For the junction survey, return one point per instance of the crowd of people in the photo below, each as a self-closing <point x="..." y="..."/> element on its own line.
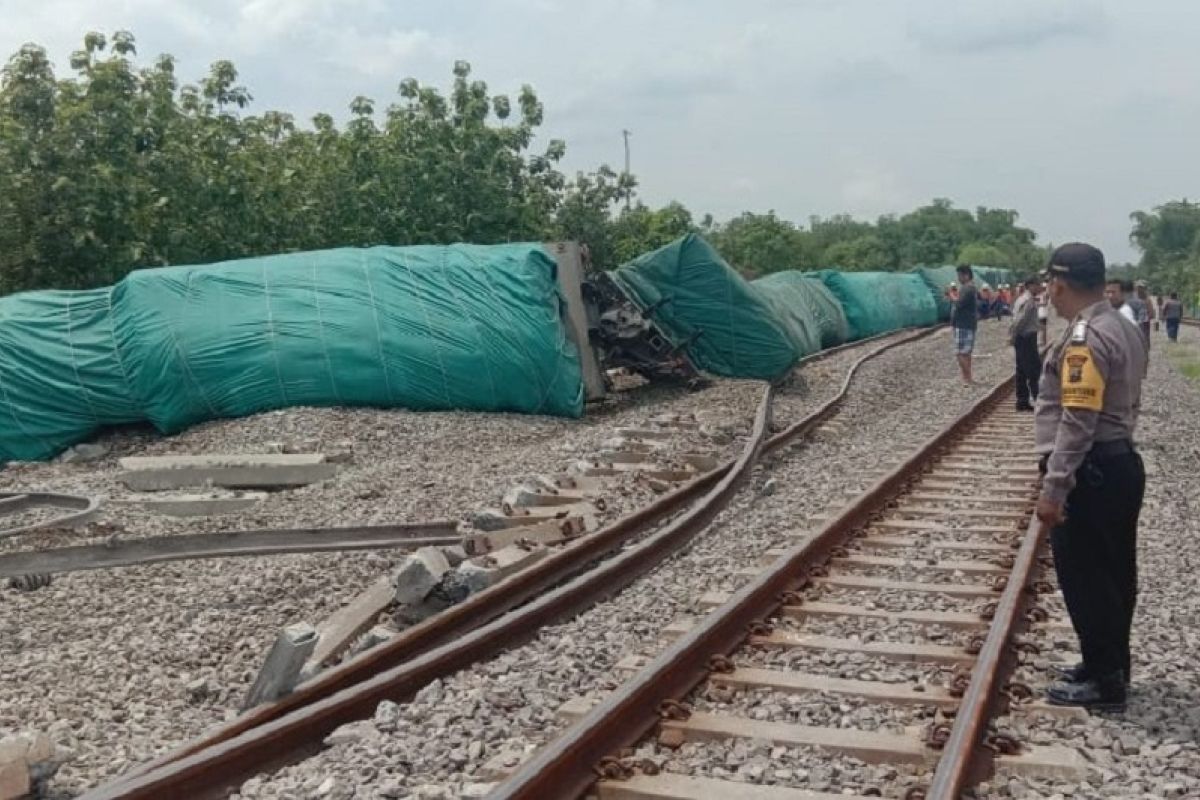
<point x="1029" y="309"/>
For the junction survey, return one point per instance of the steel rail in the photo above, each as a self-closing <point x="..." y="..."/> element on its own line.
<point x="565" y="767"/>
<point x="962" y="751"/>
<point x="159" y="549"/>
<point x="473" y="630"/>
<point x="12" y="503"/>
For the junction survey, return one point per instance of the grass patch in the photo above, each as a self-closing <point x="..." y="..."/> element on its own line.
<point x="1186" y="359"/>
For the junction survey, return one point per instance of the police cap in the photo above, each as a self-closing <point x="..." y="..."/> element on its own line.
<point x="1079" y="263"/>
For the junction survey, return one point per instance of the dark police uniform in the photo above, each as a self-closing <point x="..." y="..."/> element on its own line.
<point x="1086" y="412"/>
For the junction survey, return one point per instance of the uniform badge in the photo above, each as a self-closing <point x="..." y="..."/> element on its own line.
<point x="1084" y="385"/>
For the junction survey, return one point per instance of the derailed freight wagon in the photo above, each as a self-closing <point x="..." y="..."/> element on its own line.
<point x="487" y="328"/>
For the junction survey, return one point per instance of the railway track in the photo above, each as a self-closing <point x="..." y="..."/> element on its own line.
<point x="474" y="630"/>
<point x="904" y="606"/>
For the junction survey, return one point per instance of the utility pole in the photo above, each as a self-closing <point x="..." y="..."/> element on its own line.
<point x="625" y="134"/>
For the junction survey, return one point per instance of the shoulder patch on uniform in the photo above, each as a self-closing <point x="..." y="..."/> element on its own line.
<point x="1079" y="332"/>
<point x="1082" y="383"/>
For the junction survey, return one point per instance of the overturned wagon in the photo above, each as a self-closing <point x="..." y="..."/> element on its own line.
<point x="489" y="328"/>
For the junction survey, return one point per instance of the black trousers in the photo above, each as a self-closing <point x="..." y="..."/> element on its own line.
<point x="1095" y="556"/>
<point x="1029" y="368"/>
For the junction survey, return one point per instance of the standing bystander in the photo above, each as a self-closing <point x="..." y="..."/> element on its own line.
<point x="1114" y="290"/>
<point x="1172" y="312"/>
<point x="1148" y="315"/>
<point x="964" y="320"/>
<point x="1023" y="336"/>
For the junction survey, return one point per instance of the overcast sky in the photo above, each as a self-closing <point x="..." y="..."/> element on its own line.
<point x="1073" y="112"/>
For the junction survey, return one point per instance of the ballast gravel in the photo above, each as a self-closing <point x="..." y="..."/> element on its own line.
<point x="119" y="666"/>
<point x="459" y="736"/>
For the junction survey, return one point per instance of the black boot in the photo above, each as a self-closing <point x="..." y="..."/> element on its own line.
<point x="1099" y="694"/>
<point x="1079" y="674"/>
<point x="1075" y="674"/>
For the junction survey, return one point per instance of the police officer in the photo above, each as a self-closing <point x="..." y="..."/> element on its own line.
<point x="1093" y="478"/>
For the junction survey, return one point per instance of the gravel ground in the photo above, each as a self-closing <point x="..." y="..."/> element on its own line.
<point x="438" y="745"/>
<point x="751" y="761"/>
<point x="1153" y="749"/>
<point x="407" y="466"/>
<point x="120" y="665"/>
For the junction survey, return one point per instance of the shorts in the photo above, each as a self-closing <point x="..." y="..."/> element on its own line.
<point x="964" y="341"/>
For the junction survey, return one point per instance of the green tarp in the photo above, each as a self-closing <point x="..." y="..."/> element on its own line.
<point x="458" y="327"/>
<point x="728" y="326"/>
<point x="61" y="375"/>
<point x="938" y="279"/>
<point x="808" y="305"/>
<point x="993" y="277"/>
<point x="878" y="302"/>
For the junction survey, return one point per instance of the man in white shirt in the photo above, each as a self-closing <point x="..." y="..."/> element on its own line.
<point x="1116" y="297"/>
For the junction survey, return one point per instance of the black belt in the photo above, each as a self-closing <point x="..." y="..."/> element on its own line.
<point x="1116" y="447"/>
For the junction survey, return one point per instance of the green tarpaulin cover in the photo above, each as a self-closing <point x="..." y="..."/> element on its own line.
<point x="994" y="277"/>
<point x="938" y="279"/>
<point x="61" y="375"/>
<point x="808" y="305"/>
<point x="428" y="327"/>
<point x="878" y="302"/>
<point x="740" y="333"/>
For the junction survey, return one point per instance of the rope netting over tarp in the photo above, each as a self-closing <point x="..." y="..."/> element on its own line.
<point x="807" y="303"/>
<point x="879" y="302"/>
<point x="759" y="329"/>
<point x="427" y="327"/>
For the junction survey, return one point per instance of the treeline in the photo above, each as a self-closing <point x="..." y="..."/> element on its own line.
<point x="120" y="165"/>
<point x="1169" y="240"/>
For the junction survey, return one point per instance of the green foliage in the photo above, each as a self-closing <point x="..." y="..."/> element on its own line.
<point x="758" y="244"/>
<point x="980" y="253"/>
<point x="119" y="166"/>
<point x="938" y="233"/>
<point x="1169" y="240"/>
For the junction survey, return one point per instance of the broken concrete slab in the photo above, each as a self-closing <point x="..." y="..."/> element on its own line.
<point x="418" y="574"/>
<point x="549" y="532"/>
<point x="582" y="484"/>
<point x="479" y="573"/>
<point x="372" y="638"/>
<point x="455" y="554"/>
<point x="200" y="505"/>
<point x="497" y="519"/>
<point x="340" y="629"/>
<point x="245" y="471"/>
<point x="531" y="497"/>
<point x="14" y="780"/>
<point x="84" y="453"/>
<point x="282" y="668"/>
<point x="27" y="760"/>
